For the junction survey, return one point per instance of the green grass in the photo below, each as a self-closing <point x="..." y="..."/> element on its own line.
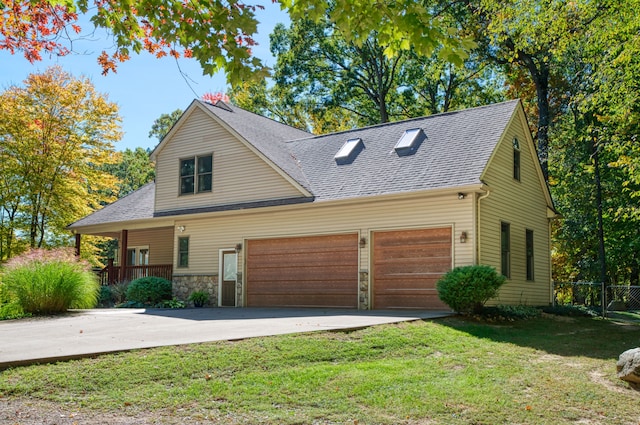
<point x="451" y="371"/>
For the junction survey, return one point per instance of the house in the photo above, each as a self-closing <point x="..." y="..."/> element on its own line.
<point x="258" y="213"/>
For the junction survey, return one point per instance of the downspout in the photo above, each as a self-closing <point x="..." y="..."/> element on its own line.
<point x="479" y="226"/>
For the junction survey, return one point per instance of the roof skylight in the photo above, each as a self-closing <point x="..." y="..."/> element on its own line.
<point x="349" y="151"/>
<point x="409" y="141"/>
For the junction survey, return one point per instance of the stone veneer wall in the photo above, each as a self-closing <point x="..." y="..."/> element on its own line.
<point x="239" y="286"/>
<point x="184" y="285"/>
<point x="363" y="296"/>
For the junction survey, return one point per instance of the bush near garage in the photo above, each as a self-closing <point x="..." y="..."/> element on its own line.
<point x="466" y="289"/>
<point x="149" y="291"/>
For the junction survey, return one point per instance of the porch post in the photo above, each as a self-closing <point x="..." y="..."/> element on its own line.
<point x="78" y="238"/>
<point x="123" y="254"/>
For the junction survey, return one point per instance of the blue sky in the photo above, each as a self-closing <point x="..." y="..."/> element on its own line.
<point x="144" y="87"/>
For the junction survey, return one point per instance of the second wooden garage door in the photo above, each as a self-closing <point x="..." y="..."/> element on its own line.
<point x="406" y="266"/>
<point x="316" y="271"/>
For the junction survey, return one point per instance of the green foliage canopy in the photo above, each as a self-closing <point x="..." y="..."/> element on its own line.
<point x="56" y="135"/>
<point x="219" y="34"/>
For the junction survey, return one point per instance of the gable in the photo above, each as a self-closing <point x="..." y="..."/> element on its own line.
<point x="499" y="170"/>
<point x="239" y="173"/>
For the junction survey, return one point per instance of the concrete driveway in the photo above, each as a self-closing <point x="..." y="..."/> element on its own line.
<point x="86" y="333"/>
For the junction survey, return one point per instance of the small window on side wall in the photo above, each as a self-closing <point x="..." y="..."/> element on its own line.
<point x="516" y="159"/>
<point x="529" y="248"/>
<point x="183" y="252"/>
<point x="505" y="249"/>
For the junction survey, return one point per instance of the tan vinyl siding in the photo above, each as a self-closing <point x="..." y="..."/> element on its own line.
<point x="160" y="250"/>
<point x="521" y="204"/>
<point x="207" y="236"/>
<point x="239" y="175"/>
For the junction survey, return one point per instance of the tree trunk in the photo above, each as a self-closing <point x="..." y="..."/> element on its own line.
<point x="598" y="185"/>
<point x="544" y="120"/>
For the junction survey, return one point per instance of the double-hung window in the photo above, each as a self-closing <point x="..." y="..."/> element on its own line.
<point x="529" y="249"/>
<point x="196" y="174"/>
<point x="505" y="249"/>
<point x="183" y="252"/>
<point x="516" y="159"/>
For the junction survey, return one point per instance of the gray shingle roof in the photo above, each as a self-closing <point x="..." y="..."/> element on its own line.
<point x="266" y="135"/>
<point x="137" y="205"/>
<point x="454" y="153"/>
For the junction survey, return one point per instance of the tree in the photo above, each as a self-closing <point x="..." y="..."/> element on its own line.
<point x="163" y="124"/>
<point x="317" y="63"/>
<point x="594" y="149"/>
<point x="528" y="37"/>
<point x="133" y="169"/>
<point x="218" y="34"/>
<point x="277" y="102"/>
<point x="56" y="133"/>
<point x="321" y="77"/>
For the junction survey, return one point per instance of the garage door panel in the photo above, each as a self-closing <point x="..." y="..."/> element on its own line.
<point x="303" y="271"/>
<point x="328" y="287"/>
<point x="293" y="300"/>
<point x="424" y="301"/>
<point x="405" y="238"/>
<point x="311" y="244"/>
<point x="293" y="259"/>
<point x="293" y="284"/>
<point x="418" y="251"/>
<point x="425" y="282"/>
<point x="314" y="272"/>
<point x="415" y="267"/>
<point x="407" y="266"/>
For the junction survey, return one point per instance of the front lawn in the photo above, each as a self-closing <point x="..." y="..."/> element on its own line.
<point x="551" y="370"/>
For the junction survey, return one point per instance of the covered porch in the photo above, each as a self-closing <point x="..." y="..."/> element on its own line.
<point x="140" y="253"/>
<point x="110" y="275"/>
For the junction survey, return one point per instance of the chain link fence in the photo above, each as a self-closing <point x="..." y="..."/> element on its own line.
<point x="623" y="298"/>
<point x="591" y="295"/>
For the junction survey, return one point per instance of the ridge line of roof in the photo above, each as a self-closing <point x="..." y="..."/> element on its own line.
<point x="230" y="106"/>
<point x="385" y="124"/>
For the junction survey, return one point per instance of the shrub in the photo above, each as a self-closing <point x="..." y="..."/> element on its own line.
<point x="111" y="295"/>
<point x="172" y="303"/>
<point x="45" y="282"/>
<point x="9" y="308"/>
<point x="511" y="312"/>
<point x="570" y="310"/>
<point x="466" y="289"/>
<point x="149" y="290"/>
<point x="12" y="310"/>
<point x="199" y="298"/>
<point x="105" y="299"/>
<point x="130" y="304"/>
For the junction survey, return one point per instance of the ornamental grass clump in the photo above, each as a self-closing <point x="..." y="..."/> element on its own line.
<point x="466" y="289"/>
<point x="50" y="281"/>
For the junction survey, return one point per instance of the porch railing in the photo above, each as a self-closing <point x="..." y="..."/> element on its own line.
<point x="111" y="274"/>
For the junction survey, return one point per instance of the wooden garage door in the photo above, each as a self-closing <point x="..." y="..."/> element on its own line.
<point x="406" y="266"/>
<point x="316" y="271"/>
